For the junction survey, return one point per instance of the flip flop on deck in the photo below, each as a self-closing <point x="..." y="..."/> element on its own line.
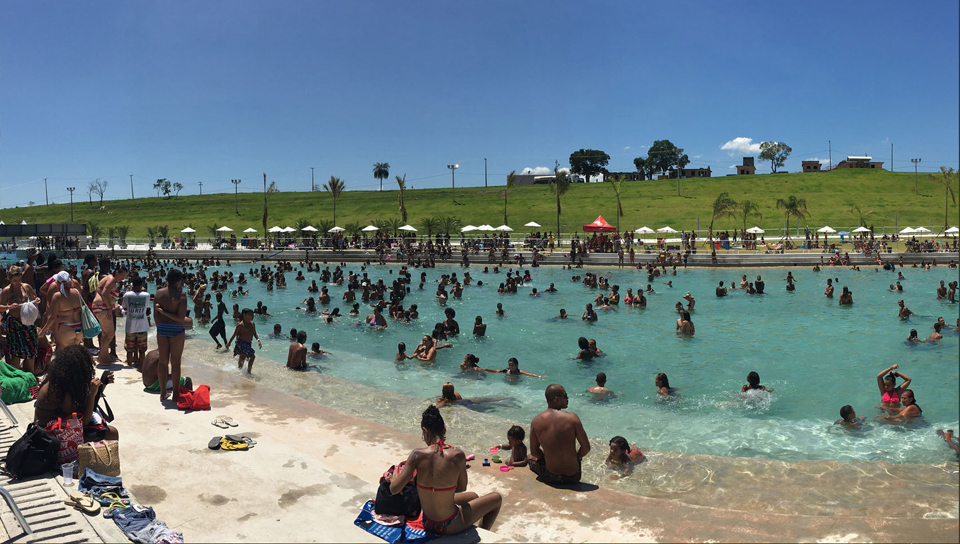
<point x="230" y="445"/>
<point x="214" y="443"/>
<point x="219" y="422"/>
<point x="83" y="502"/>
<point x="251" y="442"/>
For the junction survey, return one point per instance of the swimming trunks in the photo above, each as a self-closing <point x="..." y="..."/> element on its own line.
<point x="887" y="397"/>
<point x="169" y="330"/>
<point x="135" y="341"/>
<point x="243" y="348"/>
<point x="439" y="527"/>
<point x="539" y="467"/>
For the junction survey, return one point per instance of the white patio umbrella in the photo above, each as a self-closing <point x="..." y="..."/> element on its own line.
<point x="22" y="222"/>
<point x="187" y="230"/>
<point x="468" y="228"/>
<point x="370" y="228"/>
<point x="908" y="230"/>
<point x="644" y="230"/>
<point x="308" y="228"/>
<point x="408" y="228"/>
<point x="504" y="228"/>
<point x="249" y="230"/>
<point x="755" y="230"/>
<point x="532" y="224"/>
<point x="667" y="229"/>
<point x="1" y="222"/>
<point x="951" y="230"/>
<point x="275" y="229"/>
<point x="861" y="229"/>
<point x="336" y="229"/>
<point x="486" y="227"/>
<point x="224" y="229"/>
<point x="288" y="229"/>
<point x="921" y="230"/>
<point x="826" y="230"/>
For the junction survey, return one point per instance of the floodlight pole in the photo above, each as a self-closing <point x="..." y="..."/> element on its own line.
<point x="131" y="187"/>
<point x="236" y="197"/>
<point x="916" y="184"/>
<point x="71" y="189"/>
<point x="313" y="186"/>
<point x="453" y="180"/>
<point x="201" y="187"/>
<point x="45" y="192"/>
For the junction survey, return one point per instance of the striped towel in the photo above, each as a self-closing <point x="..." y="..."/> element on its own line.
<point x="409" y="533"/>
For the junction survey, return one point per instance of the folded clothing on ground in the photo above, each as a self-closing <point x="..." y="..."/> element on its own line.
<point x="15" y="384"/>
<point x="133" y="519"/>
<point x="97" y="484"/>
<point x="412" y="531"/>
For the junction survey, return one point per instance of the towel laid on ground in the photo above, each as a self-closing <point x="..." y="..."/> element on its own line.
<point x="412" y="531"/>
<point x="16" y="384"/>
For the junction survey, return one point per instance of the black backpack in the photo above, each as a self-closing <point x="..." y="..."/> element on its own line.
<point x="32" y="454"/>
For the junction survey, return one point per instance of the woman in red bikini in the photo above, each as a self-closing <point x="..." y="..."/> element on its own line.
<point x="441" y="483"/>
<point x="63" y="313"/>
<point x="890" y="391"/>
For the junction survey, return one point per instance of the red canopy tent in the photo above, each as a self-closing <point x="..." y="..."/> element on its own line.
<point x="599" y="225"/>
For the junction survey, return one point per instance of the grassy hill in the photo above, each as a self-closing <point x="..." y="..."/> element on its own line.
<point x="829" y="195"/>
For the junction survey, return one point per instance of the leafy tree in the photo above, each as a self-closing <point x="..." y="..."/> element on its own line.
<point x="162" y="186"/>
<point x="616" y="183"/>
<point x="947" y="178"/>
<point x="393" y="226"/>
<point x="381" y="171"/>
<point x="792" y="207"/>
<point x="212" y="230"/>
<point x="335" y="187"/>
<point x="353" y="229"/>
<point x="723" y="206"/>
<point x="163" y="231"/>
<point x="273" y="188"/>
<point x="177" y="187"/>
<point x="402" y="183"/>
<point x="447" y="224"/>
<point x="747" y="209"/>
<point x="152" y="233"/>
<point x="511" y="181"/>
<point x="99" y="188"/>
<point x="558" y="187"/>
<point x="122" y="232"/>
<point x="429" y="225"/>
<point x="775" y="153"/>
<point x="588" y="162"/>
<point x="95" y="231"/>
<point x="111" y="234"/>
<point x="301" y="224"/>
<point x="860" y="213"/>
<point x="383" y="225"/>
<point x="663" y="155"/>
<point x="646" y="167"/>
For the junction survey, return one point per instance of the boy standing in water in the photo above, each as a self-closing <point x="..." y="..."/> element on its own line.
<point x="245" y="332"/>
<point x="297" y="354"/>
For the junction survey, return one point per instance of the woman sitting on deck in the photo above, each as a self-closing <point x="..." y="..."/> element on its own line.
<point x="442" y="482"/>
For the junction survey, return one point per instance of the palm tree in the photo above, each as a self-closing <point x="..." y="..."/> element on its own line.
<point x="393" y="226"/>
<point x="152" y="233"/>
<point x="447" y="224"/>
<point x="616" y="182"/>
<point x="111" y="234"/>
<point x="429" y="224"/>
<point x="792" y="207"/>
<point x="122" y="232"/>
<point x="335" y="186"/>
<point x="861" y="214"/>
<point x="381" y="171"/>
<point x="323" y="225"/>
<point x="95" y="230"/>
<point x="749" y="208"/>
<point x="559" y="186"/>
<point x="301" y="224"/>
<point x="163" y="231"/>
<point x="212" y="230"/>
<point x="354" y="229"/>
<point x="723" y="206"/>
<point x="947" y="178"/>
<point x="511" y="181"/>
<point x="402" y="183"/>
<point x="383" y="225"/>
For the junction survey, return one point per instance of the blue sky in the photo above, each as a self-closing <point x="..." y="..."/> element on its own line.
<point x="210" y="91"/>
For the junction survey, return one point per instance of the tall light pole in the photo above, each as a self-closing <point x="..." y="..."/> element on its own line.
<point x="236" y="183"/>
<point x="71" y="189"/>
<point x="201" y="187"/>
<point x="45" y="192"/>
<point x="484" y="171"/>
<point x="313" y="186"/>
<point x="131" y="187"/>
<point x="916" y="185"/>
<point x="453" y="178"/>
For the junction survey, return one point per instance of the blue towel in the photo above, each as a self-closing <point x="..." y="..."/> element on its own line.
<point x="390" y="534"/>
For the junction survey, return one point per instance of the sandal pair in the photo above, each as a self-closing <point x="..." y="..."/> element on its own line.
<point x="83" y="502"/>
<point x="229" y="443"/>
<point x="224" y="422"/>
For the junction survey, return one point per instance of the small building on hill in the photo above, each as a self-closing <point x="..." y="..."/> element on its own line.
<point x="747" y="168"/>
<point x="860" y="162"/>
<point x="687" y="173"/>
<point x="809" y="166"/>
<point x="627" y="176"/>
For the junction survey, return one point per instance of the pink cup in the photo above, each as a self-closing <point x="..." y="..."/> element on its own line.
<point x="494" y="450"/>
<point x="505" y="468"/>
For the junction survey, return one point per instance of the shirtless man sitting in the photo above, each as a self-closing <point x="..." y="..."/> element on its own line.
<point x="554" y="435"/>
<point x="297" y="354"/>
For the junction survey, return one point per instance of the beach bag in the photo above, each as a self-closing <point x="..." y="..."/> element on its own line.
<point x="70" y="439"/>
<point x="198" y="399"/>
<point x="91" y="327"/>
<point x="32" y="454"/>
<point x="406" y="503"/>
<point x="100" y="457"/>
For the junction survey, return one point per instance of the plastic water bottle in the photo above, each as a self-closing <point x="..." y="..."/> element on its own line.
<point x="74" y="421"/>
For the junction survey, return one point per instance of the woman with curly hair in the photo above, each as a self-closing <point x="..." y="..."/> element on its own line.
<point x="71" y="386"/>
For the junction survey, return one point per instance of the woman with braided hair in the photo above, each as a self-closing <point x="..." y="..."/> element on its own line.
<point x="442" y="482"/>
<point x="71" y="386"/>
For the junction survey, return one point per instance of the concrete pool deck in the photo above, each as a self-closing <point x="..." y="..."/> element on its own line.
<point x="313" y="468"/>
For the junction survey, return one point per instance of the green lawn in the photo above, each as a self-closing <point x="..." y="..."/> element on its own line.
<point x="890" y="196"/>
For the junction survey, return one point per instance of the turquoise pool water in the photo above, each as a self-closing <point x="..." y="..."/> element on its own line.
<point x="816" y="355"/>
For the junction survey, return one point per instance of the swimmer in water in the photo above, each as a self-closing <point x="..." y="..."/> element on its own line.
<point x="914" y="338"/>
<point x="663" y="386"/>
<point x="935" y="335"/>
<point x="563" y="314"/>
<point x="600" y="391"/>
<point x="904" y="313"/>
<point x="753" y="384"/>
<point x="890" y="391"/>
<point x="401" y="355"/>
<point x="584" y="354"/>
<point x="500" y="311"/>
<point x="910" y="408"/>
<point x="448" y="395"/>
<point x="589" y="314"/>
<point x="479" y="328"/>
<point x="513" y="369"/>
<point x="848" y="418"/>
<point x="623" y="457"/>
<point x="316" y="352"/>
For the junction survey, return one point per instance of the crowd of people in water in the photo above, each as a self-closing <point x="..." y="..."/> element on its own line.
<point x="43" y="299"/>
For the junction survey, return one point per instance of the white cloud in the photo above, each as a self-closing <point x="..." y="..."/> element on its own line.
<point x="696" y="156"/>
<point x="564" y="169"/>
<point x="822" y="161"/>
<point x="741" y="145"/>
<point x="885" y="141"/>
<point x="538" y="171"/>
<point x="732" y="166"/>
<point x="626" y="148"/>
